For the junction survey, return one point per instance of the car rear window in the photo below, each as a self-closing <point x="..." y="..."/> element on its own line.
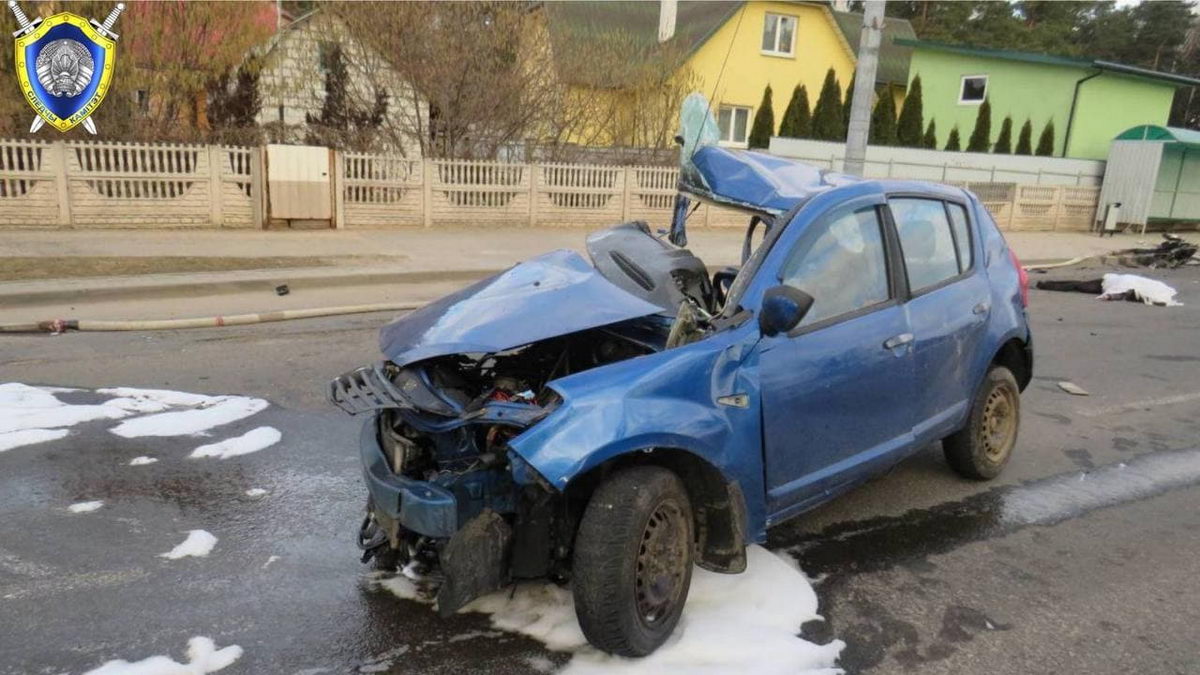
<point x="930" y="256"/>
<point x="962" y="234"/>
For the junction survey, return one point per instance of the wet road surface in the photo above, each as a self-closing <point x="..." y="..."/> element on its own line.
<point x="1083" y="557"/>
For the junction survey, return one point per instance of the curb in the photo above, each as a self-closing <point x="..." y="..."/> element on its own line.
<point x="266" y="282"/>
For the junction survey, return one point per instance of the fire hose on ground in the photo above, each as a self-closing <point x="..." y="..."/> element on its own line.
<point x="55" y="326"/>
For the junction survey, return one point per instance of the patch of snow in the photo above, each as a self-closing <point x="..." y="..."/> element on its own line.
<point x="198" y="543"/>
<point x="27" y="408"/>
<point x="540" y="664"/>
<point x="383" y="662"/>
<point x="142" y="461"/>
<point x="203" y="657"/>
<point x="251" y="441"/>
<point x="473" y="634"/>
<point x="15" y="439"/>
<point x="744" y="622"/>
<point x="270" y="560"/>
<point x="255" y="492"/>
<point x="85" y="507"/>
<point x="214" y="411"/>
<point x="1149" y="291"/>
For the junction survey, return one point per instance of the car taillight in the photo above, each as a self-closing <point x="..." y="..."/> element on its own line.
<point x="1022" y="276"/>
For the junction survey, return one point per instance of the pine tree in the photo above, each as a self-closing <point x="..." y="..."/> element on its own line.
<point x="797" y="119"/>
<point x="1003" y="144"/>
<point x="764" y="122"/>
<point x="1045" y="146"/>
<point x="930" y="140"/>
<point x="341" y="124"/>
<point x="952" y="143"/>
<point x="1025" y="139"/>
<point x="847" y="106"/>
<point x="981" y="136"/>
<point x="883" y="119"/>
<point x="912" y="117"/>
<point x="827" y="116"/>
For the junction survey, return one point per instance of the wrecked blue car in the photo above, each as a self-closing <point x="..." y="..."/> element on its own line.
<point x="611" y="423"/>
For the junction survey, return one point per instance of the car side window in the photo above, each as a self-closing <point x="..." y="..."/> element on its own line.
<point x="930" y="255"/>
<point x="841" y="264"/>
<point x="962" y="234"/>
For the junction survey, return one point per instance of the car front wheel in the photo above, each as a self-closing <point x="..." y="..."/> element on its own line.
<point x="632" y="563"/>
<point x="982" y="448"/>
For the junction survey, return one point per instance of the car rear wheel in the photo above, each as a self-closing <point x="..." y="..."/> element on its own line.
<point x="632" y="562"/>
<point x="982" y="448"/>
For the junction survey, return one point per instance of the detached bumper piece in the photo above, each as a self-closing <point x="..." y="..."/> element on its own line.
<point x="474" y="561"/>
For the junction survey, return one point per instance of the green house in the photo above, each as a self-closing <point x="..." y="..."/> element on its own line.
<point x="1090" y="101"/>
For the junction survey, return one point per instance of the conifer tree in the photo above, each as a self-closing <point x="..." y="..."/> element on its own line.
<point x="764" y="122"/>
<point x="827" y="116"/>
<point x="912" y="117"/>
<point x="952" y="143"/>
<point x="1045" y="146"/>
<point x="930" y="140"/>
<point x="846" y="107"/>
<point x="883" y="119"/>
<point x="1025" y="139"/>
<point x="1003" y="144"/>
<point x="797" y="119"/>
<point x="981" y="136"/>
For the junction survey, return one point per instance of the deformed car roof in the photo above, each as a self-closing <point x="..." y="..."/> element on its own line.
<point x="755" y="180"/>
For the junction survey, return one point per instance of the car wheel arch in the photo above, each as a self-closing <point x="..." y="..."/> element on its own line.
<point x="1014" y="355"/>
<point x="718" y="505"/>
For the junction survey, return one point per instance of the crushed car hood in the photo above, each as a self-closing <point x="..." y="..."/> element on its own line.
<point x="553" y="294"/>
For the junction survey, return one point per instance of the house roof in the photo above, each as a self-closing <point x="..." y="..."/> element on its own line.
<point x="697" y="21"/>
<point x="636" y="23"/>
<point x="1050" y="60"/>
<point x="894" y="57"/>
<point x="1154" y="132"/>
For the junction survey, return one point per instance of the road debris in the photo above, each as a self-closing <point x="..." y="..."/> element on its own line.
<point x="1072" y="388"/>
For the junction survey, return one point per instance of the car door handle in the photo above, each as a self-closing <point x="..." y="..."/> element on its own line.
<point x="981" y="308"/>
<point x="898" y="341"/>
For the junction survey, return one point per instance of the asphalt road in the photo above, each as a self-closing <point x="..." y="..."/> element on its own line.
<point x="1083" y="557"/>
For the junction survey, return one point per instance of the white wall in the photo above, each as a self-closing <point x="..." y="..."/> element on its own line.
<point x="938" y="165"/>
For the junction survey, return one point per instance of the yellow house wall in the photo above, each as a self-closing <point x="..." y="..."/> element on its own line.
<point x="819" y="46"/>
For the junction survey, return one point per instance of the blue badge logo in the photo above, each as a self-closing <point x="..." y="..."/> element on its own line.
<point x="65" y="66"/>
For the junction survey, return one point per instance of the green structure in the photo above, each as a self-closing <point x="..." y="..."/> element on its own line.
<point x="1089" y="101"/>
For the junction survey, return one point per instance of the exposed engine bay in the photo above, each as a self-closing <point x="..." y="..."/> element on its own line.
<point x="440" y="428"/>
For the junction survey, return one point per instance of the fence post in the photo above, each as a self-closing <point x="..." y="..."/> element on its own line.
<point x="427" y="192"/>
<point x="890" y="162"/>
<point x="338" y="181"/>
<point x="62" y="185"/>
<point x="534" y="170"/>
<point x="258" y="185"/>
<point x="216" y="216"/>
<point x="993" y="180"/>
<point x="627" y="194"/>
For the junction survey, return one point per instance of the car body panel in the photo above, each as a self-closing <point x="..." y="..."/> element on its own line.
<point x="550" y="295"/>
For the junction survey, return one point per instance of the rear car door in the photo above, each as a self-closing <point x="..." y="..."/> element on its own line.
<point x="948" y="307"/>
<point x="836" y="390"/>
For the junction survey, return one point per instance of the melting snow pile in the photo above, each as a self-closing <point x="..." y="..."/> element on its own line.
<point x="198" y="543"/>
<point x="251" y="441"/>
<point x="84" y="507"/>
<point x="745" y="623"/>
<point x="141" y="461"/>
<point x="203" y="657"/>
<point x="31" y="415"/>
<point x="1149" y="291"/>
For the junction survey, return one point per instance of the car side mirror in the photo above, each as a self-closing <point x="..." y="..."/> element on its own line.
<point x="782" y="309"/>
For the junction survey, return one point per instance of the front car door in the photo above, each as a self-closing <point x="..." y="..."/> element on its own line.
<point x="836" y="390"/>
<point x="948" y="310"/>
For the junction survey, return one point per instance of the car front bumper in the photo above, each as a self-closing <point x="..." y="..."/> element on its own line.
<point x="418" y="506"/>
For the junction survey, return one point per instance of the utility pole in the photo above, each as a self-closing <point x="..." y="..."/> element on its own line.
<point x="864" y="87"/>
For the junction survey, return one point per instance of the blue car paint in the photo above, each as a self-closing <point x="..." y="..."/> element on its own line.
<point x="669" y="399"/>
<point x="553" y="294"/>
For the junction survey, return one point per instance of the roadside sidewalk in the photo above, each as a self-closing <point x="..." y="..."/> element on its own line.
<point x="355" y="265"/>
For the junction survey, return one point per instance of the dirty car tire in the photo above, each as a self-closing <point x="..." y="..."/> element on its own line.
<point x="982" y="448"/>
<point x="632" y="562"/>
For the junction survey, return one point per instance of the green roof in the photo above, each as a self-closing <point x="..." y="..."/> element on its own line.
<point x="1153" y="132"/>
<point x="893" y="56"/>
<point x="1050" y="60"/>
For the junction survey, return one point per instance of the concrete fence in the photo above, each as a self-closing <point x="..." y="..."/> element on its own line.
<point x="95" y="185"/>
<point x="128" y="185"/>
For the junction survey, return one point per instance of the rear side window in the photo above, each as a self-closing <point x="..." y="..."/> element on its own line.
<point x="930" y="256"/>
<point x="842" y="265"/>
<point x="962" y="234"/>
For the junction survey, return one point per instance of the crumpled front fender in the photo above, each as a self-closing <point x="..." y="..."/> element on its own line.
<point x="663" y="400"/>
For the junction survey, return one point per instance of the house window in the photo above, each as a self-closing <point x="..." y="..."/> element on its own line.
<point x="779" y="34"/>
<point x="974" y="89"/>
<point x="734" y="121"/>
